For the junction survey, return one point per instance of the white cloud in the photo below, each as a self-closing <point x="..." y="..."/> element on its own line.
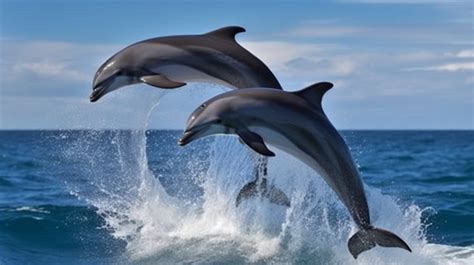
<point x="49" y="67"/>
<point x="453" y="67"/>
<point x="418" y="34"/>
<point x="450" y="67"/>
<point x="277" y="53"/>
<point x="290" y="59"/>
<point x="51" y="50"/>
<point x="363" y="77"/>
<point x="465" y="54"/>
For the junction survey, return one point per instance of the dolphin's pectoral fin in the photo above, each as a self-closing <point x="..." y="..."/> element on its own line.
<point x="161" y="81"/>
<point x="368" y="238"/>
<point x="314" y="93"/>
<point x="255" y="142"/>
<point x="249" y="190"/>
<point x="226" y="32"/>
<point x="277" y="196"/>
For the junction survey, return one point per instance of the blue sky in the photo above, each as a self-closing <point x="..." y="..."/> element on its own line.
<point x="395" y="64"/>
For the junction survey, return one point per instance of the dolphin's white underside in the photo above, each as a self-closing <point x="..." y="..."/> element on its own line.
<point x="281" y="142"/>
<point x="182" y="73"/>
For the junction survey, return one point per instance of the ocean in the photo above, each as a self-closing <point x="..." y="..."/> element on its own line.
<point x="136" y="197"/>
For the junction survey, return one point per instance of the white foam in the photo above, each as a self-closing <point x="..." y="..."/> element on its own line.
<point x="32" y="209"/>
<point x="162" y="229"/>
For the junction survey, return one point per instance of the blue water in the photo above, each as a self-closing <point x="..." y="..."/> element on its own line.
<point x="121" y="197"/>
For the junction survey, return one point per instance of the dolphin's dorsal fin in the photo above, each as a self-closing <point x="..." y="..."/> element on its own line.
<point x="314" y="93"/>
<point x="226" y="32"/>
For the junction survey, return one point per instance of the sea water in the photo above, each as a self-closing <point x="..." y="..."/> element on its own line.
<point x="136" y="197"/>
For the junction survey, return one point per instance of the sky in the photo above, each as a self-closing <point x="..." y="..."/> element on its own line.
<point x="395" y="64"/>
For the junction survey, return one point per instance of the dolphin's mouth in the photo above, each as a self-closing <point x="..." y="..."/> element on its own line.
<point x="187" y="137"/>
<point x="96" y="94"/>
<point x="192" y="134"/>
<point x="100" y="90"/>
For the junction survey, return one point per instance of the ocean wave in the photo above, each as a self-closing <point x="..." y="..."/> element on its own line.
<point x="159" y="228"/>
<point x="187" y="213"/>
<point x="179" y="206"/>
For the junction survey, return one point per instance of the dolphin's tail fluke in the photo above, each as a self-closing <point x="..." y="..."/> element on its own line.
<point x="274" y="194"/>
<point x="368" y="238"/>
<point x="247" y="191"/>
<point x="278" y="197"/>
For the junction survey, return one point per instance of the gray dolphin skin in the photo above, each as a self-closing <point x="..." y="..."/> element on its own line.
<point x="295" y="123"/>
<point x="172" y="61"/>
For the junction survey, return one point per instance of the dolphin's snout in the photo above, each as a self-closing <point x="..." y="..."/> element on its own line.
<point x="186" y="137"/>
<point x="96" y="94"/>
<point x="99" y="89"/>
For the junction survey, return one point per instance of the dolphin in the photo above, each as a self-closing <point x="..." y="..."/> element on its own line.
<point x="172" y="61"/>
<point x="260" y="187"/>
<point x="295" y="123"/>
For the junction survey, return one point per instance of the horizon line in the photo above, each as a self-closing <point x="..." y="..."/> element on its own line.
<point x="171" y="129"/>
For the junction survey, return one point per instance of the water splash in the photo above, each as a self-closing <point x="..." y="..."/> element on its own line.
<point x="207" y="227"/>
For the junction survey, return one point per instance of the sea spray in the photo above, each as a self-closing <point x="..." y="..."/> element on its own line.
<point x="159" y="226"/>
<point x="119" y="183"/>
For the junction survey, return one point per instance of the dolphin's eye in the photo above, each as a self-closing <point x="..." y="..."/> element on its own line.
<point x="203" y="106"/>
<point x="218" y="121"/>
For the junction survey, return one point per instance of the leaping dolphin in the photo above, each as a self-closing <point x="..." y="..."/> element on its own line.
<point x="172" y="61"/>
<point x="296" y="123"/>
